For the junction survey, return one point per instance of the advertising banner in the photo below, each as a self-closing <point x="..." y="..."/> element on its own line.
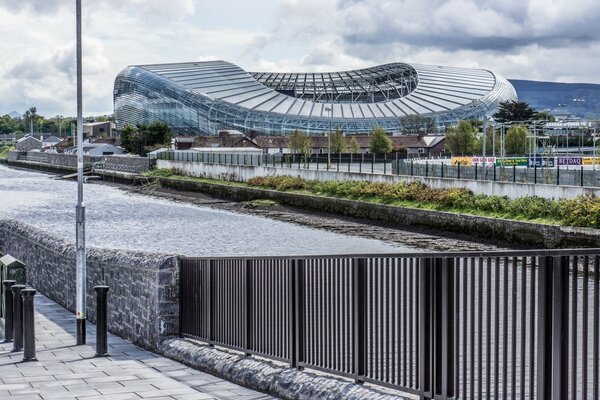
<point x="541" y="162"/>
<point x="464" y="161"/>
<point x="480" y="160"/>
<point x="568" y="161"/>
<point x="510" y="162"/>
<point x="591" y="161"/>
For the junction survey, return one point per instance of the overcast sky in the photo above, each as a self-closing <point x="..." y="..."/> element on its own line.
<point x="553" y="40"/>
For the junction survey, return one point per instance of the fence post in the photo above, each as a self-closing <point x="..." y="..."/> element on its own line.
<point x="557" y="175"/>
<point x="8" y="310"/>
<point x="424" y="316"/>
<point x="475" y="171"/>
<point x="535" y="173"/>
<point x="458" y="170"/>
<point x="210" y="298"/>
<point x="101" y="321"/>
<point x="494" y="173"/>
<point x="443" y="328"/>
<point x="249" y="311"/>
<point x="514" y="173"/>
<point x="359" y="284"/>
<point x="17" y="317"/>
<point x="28" y="324"/>
<point x="582" y="175"/>
<point x="296" y="312"/>
<point x="384" y="163"/>
<point x="411" y="168"/>
<point x="426" y="169"/>
<point x="373" y="163"/>
<point x="553" y="328"/>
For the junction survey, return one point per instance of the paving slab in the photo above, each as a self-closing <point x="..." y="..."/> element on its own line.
<point x="67" y="371"/>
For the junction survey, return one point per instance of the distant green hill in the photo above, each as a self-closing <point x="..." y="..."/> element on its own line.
<point x="579" y="99"/>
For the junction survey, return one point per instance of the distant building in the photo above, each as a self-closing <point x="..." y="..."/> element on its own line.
<point x="50" y="142"/>
<point x="97" y="149"/>
<point x="29" y="143"/>
<point x="98" y="129"/>
<point x="416" y="146"/>
<point x="183" y="142"/>
<point x="8" y="139"/>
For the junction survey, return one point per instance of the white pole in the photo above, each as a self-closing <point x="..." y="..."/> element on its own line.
<point x="80" y="209"/>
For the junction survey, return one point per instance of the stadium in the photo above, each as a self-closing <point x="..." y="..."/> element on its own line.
<point x="207" y="97"/>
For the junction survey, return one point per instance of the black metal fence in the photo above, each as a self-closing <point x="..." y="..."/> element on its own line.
<point x="515" y="325"/>
<point x="558" y="175"/>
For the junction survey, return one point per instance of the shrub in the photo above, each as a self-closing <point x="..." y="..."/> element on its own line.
<point x="582" y="211"/>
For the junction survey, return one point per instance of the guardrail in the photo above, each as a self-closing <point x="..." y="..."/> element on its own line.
<point x="516" y="324"/>
<point x="557" y="175"/>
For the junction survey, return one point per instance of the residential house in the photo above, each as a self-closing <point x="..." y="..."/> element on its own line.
<point x="98" y="129"/>
<point x="50" y="142"/>
<point x="29" y="143"/>
<point x="416" y="146"/>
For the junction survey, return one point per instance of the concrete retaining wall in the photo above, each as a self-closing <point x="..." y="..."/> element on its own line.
<point x="144" y="293"/>
<point x="130" y="164"/>
<point x="518" y="233"/>
<point x="511" y="190"/>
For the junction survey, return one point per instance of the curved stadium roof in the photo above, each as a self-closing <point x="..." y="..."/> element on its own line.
<point x="205" y="97"/>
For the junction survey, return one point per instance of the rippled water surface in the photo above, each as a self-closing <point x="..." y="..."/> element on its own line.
<point x="118" y="219"/>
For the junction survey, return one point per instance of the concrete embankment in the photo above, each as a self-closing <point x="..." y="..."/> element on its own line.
<point x="515" y="232"/>
<point x="519" y="233"/>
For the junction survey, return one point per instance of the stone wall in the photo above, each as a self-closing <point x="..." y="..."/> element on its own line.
<point x="143" y="303"/>
<point x="130" y="164"/>
<point x="242" y="173"/>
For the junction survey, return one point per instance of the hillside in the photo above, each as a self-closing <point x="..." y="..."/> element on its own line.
<point x="579" y="99"/>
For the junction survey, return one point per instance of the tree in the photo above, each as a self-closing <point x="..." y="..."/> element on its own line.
<point x="489" y="142"/>
<point x="380" y="142"/>
<point x="128" y="137"/>
<point x="514" y="111"/>
<point x="544" y="116"/>
<point x="300" y="143"/>
<point x="338" y="142"/>
<point x="461" y="140"/>
<point x="516" y="140"/>
<point x="417" y="124"/>
<point x="31" y="118"/>
<point x="354" y="146"/>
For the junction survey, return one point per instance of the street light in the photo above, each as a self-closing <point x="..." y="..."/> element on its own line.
<point x="330" y="111"/>
<point x="80" y="279"/>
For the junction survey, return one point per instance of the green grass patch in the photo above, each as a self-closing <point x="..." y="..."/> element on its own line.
<point x="583" y="211"/>
<point x="4" y="151"/>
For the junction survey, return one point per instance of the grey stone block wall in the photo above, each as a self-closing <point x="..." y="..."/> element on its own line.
<point x="143" y="302"/>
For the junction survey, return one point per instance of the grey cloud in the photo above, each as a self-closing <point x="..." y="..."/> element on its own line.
<point x="37" y="6"/>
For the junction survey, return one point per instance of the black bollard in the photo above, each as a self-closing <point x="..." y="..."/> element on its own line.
<point x="8" y="311"/>
<point x="101" y="321"/>
<point x="28" y="325"/>
<point x="17" y="317"/>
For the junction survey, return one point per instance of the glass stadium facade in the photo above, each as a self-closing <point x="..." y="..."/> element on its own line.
<point x="206" y="97"/>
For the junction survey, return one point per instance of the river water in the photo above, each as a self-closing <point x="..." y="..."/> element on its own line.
<point x="123" y="220"/>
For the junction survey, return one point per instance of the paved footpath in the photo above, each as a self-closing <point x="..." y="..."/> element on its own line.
<point x="66" y="371"/>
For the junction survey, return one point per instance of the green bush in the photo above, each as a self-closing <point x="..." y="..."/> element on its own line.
<point x="582" y="211"/>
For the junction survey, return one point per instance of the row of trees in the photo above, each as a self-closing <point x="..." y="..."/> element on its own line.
<point x="379" y="142"/>
<point x="464" y="139"/>
<point x="33" y="121"/>
<point x="143" y="139"/>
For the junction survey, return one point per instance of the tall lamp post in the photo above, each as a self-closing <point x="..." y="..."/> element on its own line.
<point x="330" y="111"/>
<point x="80" y="279"/>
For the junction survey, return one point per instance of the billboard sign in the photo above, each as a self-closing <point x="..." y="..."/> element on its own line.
<point x="591" y="161"/>
<point x="568" y="161"/>
<point x="511" y="162"/>
<point x="464" y="161"/>
<point x="481" y="160"/>
<point x="541" y="162"/>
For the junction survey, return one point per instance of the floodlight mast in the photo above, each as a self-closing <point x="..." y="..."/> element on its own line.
<point x="80" y="305"/>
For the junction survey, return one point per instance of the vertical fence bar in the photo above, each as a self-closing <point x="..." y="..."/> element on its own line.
<point x="249" y="312"/>
<point x="560" y="328"/>
<point x="359" y="296"/>
<point x="424" y="323"/>
<point x="292" y="309"/>
<point x="299" y="312"/>
<point x="544" y="342"/>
